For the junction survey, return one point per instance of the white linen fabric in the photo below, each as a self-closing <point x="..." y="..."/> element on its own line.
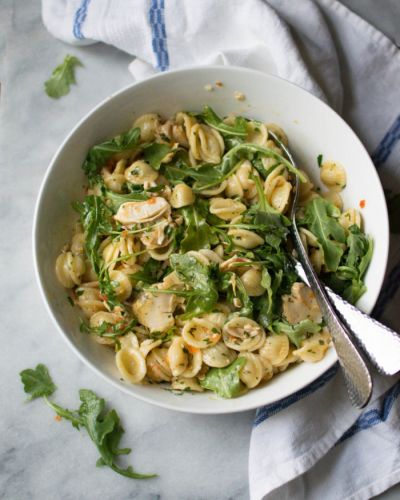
<point x="313" y="444"/>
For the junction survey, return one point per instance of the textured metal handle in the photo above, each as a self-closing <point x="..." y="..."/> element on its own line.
<point x="356" y="373"/>
<point x="380" y="343"/>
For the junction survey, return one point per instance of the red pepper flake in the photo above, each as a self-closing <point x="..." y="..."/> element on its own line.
<point x="103" y="297"/>
<point x="362" y="203"/>
<point x="57" y="418"/>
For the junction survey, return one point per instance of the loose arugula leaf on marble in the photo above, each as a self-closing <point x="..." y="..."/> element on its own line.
<point x="37" y="382"/>
<point x="321" y="218"/>
<point x="100" y="153"/>
<point x="155" y="153"/>
<point x="62" y="77"/>
<point x="225" y="381"/>
<point x="298" y="332"/>
<point x="103" y="427"/>
<point x="198" y="233"/>
<point x="203" y="294"/>
<point x="239" y="128"/>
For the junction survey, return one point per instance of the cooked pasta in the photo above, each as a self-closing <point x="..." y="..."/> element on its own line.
<point x="181" y="261"/>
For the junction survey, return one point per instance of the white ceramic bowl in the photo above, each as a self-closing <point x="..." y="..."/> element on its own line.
<point x="312" y="128"/>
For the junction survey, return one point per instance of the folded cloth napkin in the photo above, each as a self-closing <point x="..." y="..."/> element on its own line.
<point x="313" y="444"/>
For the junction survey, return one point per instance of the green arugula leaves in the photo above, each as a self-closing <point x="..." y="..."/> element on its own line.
<point x="62" y="77"/>
<point x="103" y="427"/>
<point x="203" y="294"/>
<point x="37" y="382"/>
<point x="225" y="381"/>
<point x="155" y="153"/>
<point x="198" y="233"/>
<point x="298" y="332"/>
<point x="321" y="218"/>
<point x="100" y="153"/>
<point x="214" y="121"/>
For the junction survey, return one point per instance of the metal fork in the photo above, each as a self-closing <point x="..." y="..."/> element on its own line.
<point x="356" y="373"/>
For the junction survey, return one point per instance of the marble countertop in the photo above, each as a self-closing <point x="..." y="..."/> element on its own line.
<point x="196" y="457"/>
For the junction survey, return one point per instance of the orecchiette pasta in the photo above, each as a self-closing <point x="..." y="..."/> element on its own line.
<point x="350" y="218"/>
<point x="181" y="259"/>
<point x="200" y="333"/>
<point x="182" y="196"/>
<point x="131" y="364"/>
<point x="243" y="334"/>
<point x="333" y="175"/>
<point x="69" y="269"/>
<point x="225" y="208"/>
<point x="140" y="172"/>
<point x="205" y="143"/>
<point x="252" y="372"/>
<point x="240" y="183"/>
<point x="148" y="125"/>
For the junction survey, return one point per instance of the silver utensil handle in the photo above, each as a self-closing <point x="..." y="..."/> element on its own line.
<point x="380" y="343"/>
<point x="356" y="373"/>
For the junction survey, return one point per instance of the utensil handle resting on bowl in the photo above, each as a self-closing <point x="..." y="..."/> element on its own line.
<point x="380" y="343"/>
<point x="356" y="373"/>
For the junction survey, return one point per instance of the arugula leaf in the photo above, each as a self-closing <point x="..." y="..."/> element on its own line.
<point x="116" y="199"/>
<point x="360" y="250"/>
<point x="103" y="428"/>
<point x="203" y="294"/>
<point x="347" y="281"/>
<point x="198" y="234"/>
<point x="321" y="218"/>
<point x="225" y="381"/>
<point x="206" y="176"/>
<point x="95" y="217"/>
<point x="234" y="288"/>
<point x="298" y="332"/>
<point x="100" y="153"/>
<point x="37" y="382"/>
<point x="149" y="274"/>
<point x="214" y="121"/>
<point x="320" y="159"/>
<point x="62" y="77"/>
<point x="154" y="154"/>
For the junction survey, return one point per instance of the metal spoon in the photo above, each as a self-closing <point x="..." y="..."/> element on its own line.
<point x="356" y="373"/>
<point x="380" y="343"/>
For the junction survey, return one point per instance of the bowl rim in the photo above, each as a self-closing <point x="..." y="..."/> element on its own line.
<point x="206" y="411"/>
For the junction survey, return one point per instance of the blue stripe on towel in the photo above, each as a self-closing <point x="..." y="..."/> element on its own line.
<point x="79" y="19"/>
<point x="388" y="292"/>
<point x="385" y="147"/>
<point x="159" y="34"/>
<point x="374" y="416"/>
<point x="270" y="410"/>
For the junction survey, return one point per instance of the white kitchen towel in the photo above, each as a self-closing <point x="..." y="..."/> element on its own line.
<point x="312" y="444"/>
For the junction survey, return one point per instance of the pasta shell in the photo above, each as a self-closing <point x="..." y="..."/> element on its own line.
<point x="134" y="212"/>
